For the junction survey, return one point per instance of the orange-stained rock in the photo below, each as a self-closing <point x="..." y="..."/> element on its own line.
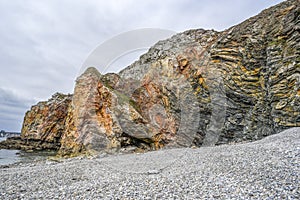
<point x="45" y="122"/>
<point x="89" y="121"/>
<point x="199" y="87"/>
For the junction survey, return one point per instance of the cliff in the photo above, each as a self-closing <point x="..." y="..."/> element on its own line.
<point x="199" y="87"/>
<point x="43" y="125"/>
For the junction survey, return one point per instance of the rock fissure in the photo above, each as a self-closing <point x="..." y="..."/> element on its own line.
<point x="199" y="87"/>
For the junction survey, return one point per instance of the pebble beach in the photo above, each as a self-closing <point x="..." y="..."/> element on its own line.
<point x="264" y="169"/>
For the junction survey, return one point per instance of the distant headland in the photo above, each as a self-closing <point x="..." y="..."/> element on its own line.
<point x="9" y="134"/>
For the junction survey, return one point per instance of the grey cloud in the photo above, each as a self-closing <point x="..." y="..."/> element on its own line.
<point x="44" y="43"/>
<point x="12" y="110"/>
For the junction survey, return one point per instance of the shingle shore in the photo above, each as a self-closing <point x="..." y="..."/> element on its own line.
<point x="265" y="169"/>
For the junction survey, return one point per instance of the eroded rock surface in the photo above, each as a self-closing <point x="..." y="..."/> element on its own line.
<point x="199" y="87"/>
<point x="43" y="125"/>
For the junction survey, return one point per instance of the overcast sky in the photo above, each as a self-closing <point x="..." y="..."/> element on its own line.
<point x="44" y="43"/>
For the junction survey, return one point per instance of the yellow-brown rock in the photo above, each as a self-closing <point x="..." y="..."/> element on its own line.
<point x="43" y="125"/>
<point x="199" y="87"/>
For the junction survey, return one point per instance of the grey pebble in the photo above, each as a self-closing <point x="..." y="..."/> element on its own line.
<point x="265" y="169"/>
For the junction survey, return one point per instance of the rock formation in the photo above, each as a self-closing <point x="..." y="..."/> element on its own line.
<point x="199" y="87"/>
<point x="43" y="125"/>
<point x="46" y="120"/>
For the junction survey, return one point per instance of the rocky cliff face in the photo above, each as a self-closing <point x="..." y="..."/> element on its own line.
<point x="46" y="120"/>
<point x="246" y="78"/>
<point x="43" y="125"/>
<point x="200" y="87"/>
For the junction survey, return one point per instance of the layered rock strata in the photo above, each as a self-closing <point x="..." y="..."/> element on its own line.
<point x="43" y="125"/>
<point x="199" y="87"/>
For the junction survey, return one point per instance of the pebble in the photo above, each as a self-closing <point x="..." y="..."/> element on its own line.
<point x="265" y="169"/>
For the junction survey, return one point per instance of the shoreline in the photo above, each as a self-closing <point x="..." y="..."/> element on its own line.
<point x="267" y="168"/>
<point x="13" y="157"/>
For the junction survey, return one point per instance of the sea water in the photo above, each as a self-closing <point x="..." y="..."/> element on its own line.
<point x="8" y="156"/>
<point x="14" y="156"/>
